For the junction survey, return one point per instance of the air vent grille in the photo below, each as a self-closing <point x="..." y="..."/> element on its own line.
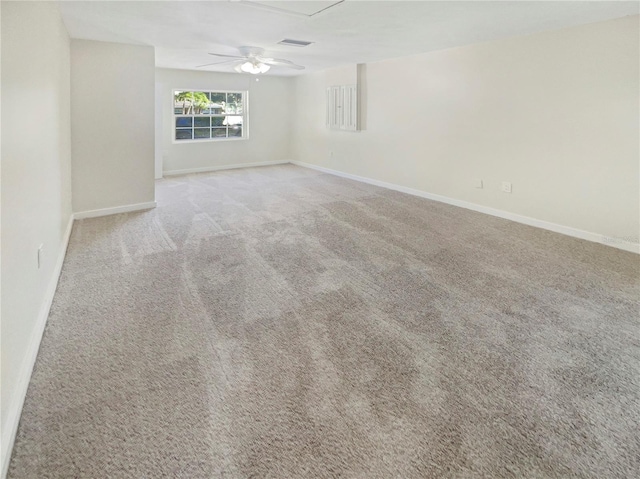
<point x="294" y="43"/>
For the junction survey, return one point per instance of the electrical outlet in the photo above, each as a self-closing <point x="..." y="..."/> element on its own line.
<point x="40" y="258"/>
<point x="506" y="187"/>
<point x="477" y="183"/>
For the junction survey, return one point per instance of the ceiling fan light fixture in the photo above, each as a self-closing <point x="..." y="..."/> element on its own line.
<point x="254" y="67"/>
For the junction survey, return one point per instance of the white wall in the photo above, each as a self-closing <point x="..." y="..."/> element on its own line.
<point x="270" y="101"/>
<point x="554" y="113"/>
<point x="112" y="124"/>
<point x="36" y="187"/>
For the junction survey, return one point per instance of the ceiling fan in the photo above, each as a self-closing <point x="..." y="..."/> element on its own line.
<point x="253" y="61"/>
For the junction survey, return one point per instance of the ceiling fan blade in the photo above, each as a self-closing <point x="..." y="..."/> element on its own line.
<point x="218" y="63"/>
<point x="280" y="62"/>
<point x="227" y="56"/>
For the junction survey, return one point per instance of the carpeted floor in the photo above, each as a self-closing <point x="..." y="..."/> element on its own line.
<point x="279" y="322"/>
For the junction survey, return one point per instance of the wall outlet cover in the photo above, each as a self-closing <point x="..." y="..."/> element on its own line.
<point x="40" y="248"/>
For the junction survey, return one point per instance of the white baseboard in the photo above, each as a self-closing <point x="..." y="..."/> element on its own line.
<point x="10" y="428"/>
<point x="223" y="167"/>
<point x="112" y="211"/>
<point x="566" y="230"/>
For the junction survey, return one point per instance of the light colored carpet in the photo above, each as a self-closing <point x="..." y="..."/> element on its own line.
<point x="278" y="322"/>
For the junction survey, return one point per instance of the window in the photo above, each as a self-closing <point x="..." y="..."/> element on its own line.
<point x="209" y="115"/>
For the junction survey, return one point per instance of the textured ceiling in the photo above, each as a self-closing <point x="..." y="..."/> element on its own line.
<point x="342" y="32"/>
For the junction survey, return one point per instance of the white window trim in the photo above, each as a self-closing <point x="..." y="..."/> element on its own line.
<point x="245" y="117"/>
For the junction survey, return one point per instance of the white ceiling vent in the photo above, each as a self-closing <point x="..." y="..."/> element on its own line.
<point x="294" y="43"/>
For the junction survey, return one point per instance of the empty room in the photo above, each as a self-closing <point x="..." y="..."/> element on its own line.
<point x="317" y="239"/>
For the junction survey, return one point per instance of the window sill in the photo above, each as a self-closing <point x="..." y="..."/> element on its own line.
<point x="208" y="140"/>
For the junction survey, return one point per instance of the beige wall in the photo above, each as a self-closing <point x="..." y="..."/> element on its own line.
<point x="36" y="185"/>
<point x="555" y="114"/>
<point x="112" y="124"/>
<point x="269" y="120"/>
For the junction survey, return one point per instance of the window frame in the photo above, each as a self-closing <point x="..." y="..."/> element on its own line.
<point x="245" y="117"/>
